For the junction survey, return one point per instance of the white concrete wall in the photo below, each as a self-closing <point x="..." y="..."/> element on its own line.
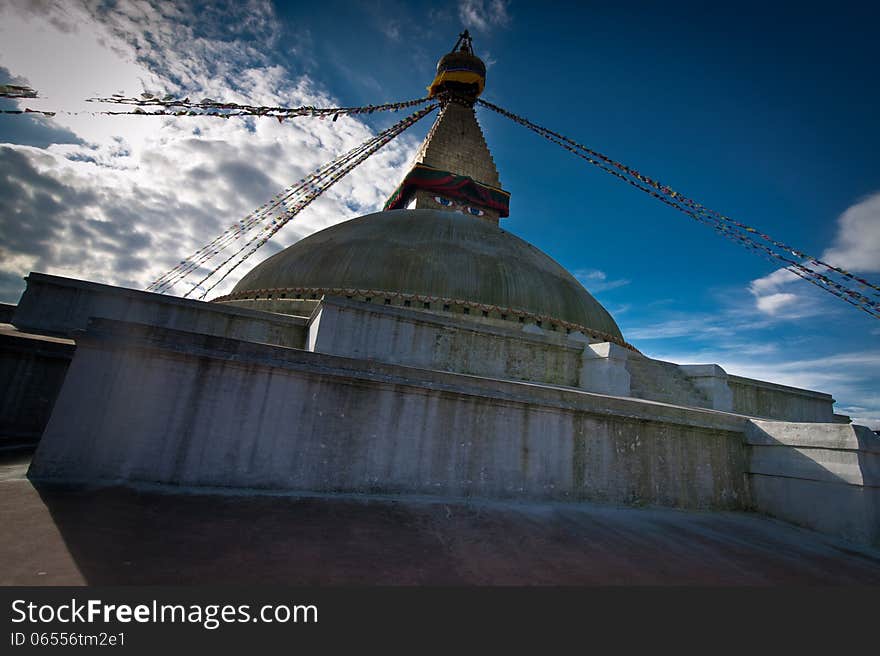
<point x="296" y="307"/>
<point x="148" y="404"/>
<point x="711" y="381"/>
<point x="32" y="370"/>
<point x="666" y="382"/>
<point x="57" y="305"/>
<point x="758" y="398"/>
<point x="823" y="476"/>
<point x="6" y="312"/>
<point x="603" y="369"/>
<point x="421" y="339"/>
<point x="709" y="386"/>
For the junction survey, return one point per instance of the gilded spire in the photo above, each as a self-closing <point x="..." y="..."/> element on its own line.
<point x="454" y="170"/>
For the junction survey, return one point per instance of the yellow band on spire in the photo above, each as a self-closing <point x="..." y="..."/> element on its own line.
<point x="463" y="77"/>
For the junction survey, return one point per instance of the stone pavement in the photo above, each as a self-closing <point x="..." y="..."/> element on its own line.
<point x="57" y="536"/>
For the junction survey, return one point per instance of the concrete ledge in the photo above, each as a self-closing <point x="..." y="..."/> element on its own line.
<point x="180" y="408"/>
<point x="603" y="369"/>
<point x="758" y="398"/>
<point x="57" y="305"/>
<point x="296" y="307"/>
<point x="828" y="465"/>
<point x="6" y="312"/>
<point x="16" y="339"/>
<point x="32" y="370"/>
<point x="763" y="384"/>
<point x="460" y="322"/>
<point x="106" y="333"/>
<point x="848" y="511"/>
<point x="663" y="381"/>
<point x="812" y="435"/>
<point x="711" y="380"/>
<point x="824" y="476"/>
<point x="421" y="339"/>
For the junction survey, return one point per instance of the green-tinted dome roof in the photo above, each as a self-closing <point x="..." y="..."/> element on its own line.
<point x="433" y="253"/>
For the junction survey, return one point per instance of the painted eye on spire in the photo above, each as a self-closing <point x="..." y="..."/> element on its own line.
<point x="476" y="211"/>
<point x="445" y="202"/>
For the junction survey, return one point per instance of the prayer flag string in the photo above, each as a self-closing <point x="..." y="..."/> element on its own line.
<point x="289" y="202"/>
<point x="208" y="107"/>
<point x="258" y="240"/>
<point x="16" y="91"/>
<point x="727" y="227"/>
<point x="169" y="106"/>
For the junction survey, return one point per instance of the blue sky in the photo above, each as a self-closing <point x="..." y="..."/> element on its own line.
<point x="760" y="112"/>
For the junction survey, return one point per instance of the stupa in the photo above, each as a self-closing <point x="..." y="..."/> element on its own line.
<point x="425" y="350"/>
<point x="438" y="245"/>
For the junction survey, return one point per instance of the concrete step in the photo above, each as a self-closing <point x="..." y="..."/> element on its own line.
<point x="834" y="453"/>
<point x="656" y="380"/>
<point x="821" y="475"/>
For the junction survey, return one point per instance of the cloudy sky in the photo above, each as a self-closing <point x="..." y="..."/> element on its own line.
<point x="763" y="115"/>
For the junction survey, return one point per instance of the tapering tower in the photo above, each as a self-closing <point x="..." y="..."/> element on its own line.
<point x="454" y="170"/>
<point x="437" y="246"/>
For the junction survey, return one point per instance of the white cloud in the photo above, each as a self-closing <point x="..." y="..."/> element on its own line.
<point x="774" y="304"/>
<point x="138" y="194"/>
<point x="857" y="243"/>
<point x="784" y="295"/>
<point x="15" y="263"/>
<point x="716" y="325"/>
<point x="483" y="14"/>
<point x="771" y="283"/>
<point x="391" y="28"/>
<point x="597" y="281"/>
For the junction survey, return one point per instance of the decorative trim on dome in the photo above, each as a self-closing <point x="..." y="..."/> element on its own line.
<point x="515" y="313"/>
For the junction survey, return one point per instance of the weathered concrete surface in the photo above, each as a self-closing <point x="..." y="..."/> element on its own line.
<point x="148" y="404"/>
<point x="711" y="381"/>
<point x="662" y="381"/>
<point x="282" y="303"/>
<point x="114" y="536"/>
<point x="6" y="312"/>
<point x="603" y="369"/>
<point x="824" y="476"/>
<point x="475" y="345"/>
<point x="758" y="398"/>
<point x="32" y="369"/>
<point x="57" y="305"/>
<point x="709" y="386"/>
<point x="420" y="339"/>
